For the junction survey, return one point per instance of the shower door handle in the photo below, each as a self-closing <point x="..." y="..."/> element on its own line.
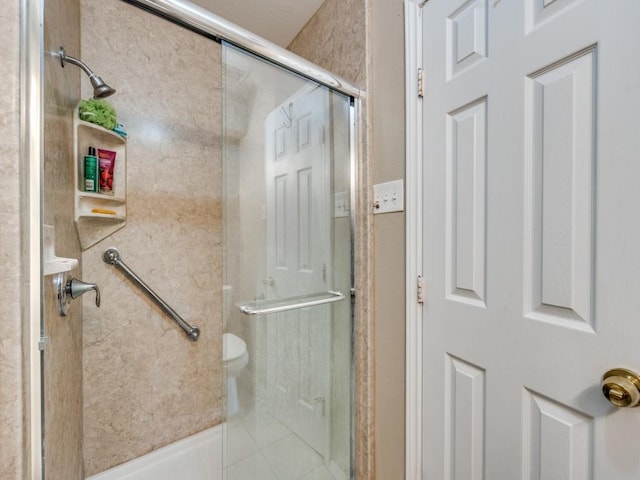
<point x="276" y="305"/>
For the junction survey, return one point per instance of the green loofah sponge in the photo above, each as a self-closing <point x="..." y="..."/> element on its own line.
<point x="98" y="112"/>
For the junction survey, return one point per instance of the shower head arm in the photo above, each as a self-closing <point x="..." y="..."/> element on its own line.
<point x="64" y="58"/>
<point x="100" y="88"/>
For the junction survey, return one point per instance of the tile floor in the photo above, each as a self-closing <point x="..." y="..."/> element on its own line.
<point x="258" y="447"/>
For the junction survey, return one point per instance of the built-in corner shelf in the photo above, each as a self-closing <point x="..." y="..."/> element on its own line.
<point x="98" y="215"/>
<point x="52" y="264"/>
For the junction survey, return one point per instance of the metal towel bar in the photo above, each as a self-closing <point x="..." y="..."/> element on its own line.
<point x="264" y="307"/>
<point x="112" y="257"/>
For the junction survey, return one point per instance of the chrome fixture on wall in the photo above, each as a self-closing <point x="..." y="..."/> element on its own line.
<point x="100" y="88"/>
<point x="71" y="289"/>
<point x="111" y="256"/>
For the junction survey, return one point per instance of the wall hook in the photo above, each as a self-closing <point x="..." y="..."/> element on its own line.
<point x="289" y="115"/>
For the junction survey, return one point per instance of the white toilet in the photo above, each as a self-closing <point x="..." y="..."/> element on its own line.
<point x="234" y="356"/>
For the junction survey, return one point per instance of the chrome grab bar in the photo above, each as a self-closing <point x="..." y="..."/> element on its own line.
<point x="265" y="307"/>
<point x="112" y="257"/>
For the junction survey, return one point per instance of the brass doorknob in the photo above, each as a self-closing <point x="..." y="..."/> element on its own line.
<point x="621" y="387"/>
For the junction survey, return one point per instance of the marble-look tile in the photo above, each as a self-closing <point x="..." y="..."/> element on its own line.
<point x="334" y="38"/>
<point x="364" y="313"/>
<point x="320" y="473"/>
<point x="12" y="393"/>
<point x="291" y="458"/>
<point x="146" y="385"/>
<point x="238" y="444"/>
<point x="254" y="467"/>
<point x="264" y="429"/>
<point x="63" y="355"/>
<point x="62" y="388"/>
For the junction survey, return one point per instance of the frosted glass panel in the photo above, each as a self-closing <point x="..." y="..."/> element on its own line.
<point x="286" y="163"/>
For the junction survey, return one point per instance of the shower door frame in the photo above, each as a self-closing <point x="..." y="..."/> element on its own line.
<point x="208" y="24"/>
<point x="31" y="166"/>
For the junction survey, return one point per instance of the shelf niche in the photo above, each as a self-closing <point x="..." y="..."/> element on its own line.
<point x="91" y="224"/>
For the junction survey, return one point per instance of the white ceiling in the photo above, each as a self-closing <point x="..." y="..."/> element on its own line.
<point x="276" y="20"/>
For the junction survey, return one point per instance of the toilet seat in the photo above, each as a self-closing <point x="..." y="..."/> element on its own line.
<point x="233" y="347"/>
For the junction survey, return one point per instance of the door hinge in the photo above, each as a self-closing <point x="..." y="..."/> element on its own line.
<point x="323" y="135"/>
<point x="420" y="83"/>
<point x="42" y="344"/>
<point x="420" y="285"/>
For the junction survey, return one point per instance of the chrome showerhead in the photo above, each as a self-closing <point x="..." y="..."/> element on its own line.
<point x="100" y="88"/>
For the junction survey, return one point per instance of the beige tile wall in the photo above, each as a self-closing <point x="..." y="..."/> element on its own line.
<point x="145" y="384"/>
<point x="63" y="355"/>
<point x="12" y="396"/>
<point x="335" y="39"/>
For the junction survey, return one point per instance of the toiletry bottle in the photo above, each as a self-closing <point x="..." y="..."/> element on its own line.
<point x="91" y="171"/>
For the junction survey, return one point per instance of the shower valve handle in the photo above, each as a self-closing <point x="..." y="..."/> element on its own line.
<point x="71" y="289"/>
<point x="75" y="288"/>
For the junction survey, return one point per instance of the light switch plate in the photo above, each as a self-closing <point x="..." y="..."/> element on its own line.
<point x="388" y="197"/>
<point x="340" y="205"/>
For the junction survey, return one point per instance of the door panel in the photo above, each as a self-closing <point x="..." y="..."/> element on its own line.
<point x="466" y="203"/>
<point x="559" y="438"/>
<point x="531" y="268"/>
<point x="464" y="423"/>
<point x="559" y="207"/>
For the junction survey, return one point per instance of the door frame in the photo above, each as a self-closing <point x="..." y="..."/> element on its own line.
<point x="413" y="219"/>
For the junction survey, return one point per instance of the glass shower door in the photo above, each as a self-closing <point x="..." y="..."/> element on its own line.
<point x="286" y="162"/>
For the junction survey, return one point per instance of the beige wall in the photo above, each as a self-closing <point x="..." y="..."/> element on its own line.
<point x="362" y="40"/>
<point x="387" y="105"/>
<point x="12" y="396"/>
<point x="145" y="384"/>
<point x="63" y="355"/>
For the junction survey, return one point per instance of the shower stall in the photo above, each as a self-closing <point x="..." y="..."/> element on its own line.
<point x="230" y="220"/>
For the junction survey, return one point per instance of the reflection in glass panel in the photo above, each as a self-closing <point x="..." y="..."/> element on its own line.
<point x="286" y="163"/>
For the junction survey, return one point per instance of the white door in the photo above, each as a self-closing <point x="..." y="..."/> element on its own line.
<point x="298" y="248"/>
<point x="531" y="237"/>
